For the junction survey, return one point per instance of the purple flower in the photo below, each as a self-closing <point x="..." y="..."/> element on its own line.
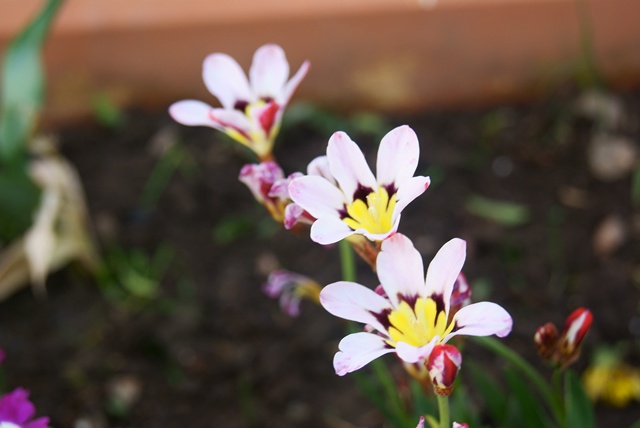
<point x="16" y="411"/>
<point x="290" y="288"/>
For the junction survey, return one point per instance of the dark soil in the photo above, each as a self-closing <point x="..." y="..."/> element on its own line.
<point x="214" y="351"/>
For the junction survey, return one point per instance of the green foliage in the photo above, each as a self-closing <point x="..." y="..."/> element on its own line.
<point x="18" y="200"/>
<point x="505" y="213"/>
<point x="107" y="112"/>
<point x="578" y="408"/>
<point x="23" y="85"/>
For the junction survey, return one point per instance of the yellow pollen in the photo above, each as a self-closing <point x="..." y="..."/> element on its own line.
<point x="374" y="215"/>
<point x="418" y="326"/>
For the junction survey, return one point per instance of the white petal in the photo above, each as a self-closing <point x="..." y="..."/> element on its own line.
<point x="444" y="269"/>
<point x="320" y="167"/>
<point x="354" y="302"/>
<point x="357" y="350"/>
<point x="293" y="83"/>
<point x="409" y="190"/>
<point x="329" y="230"/>
<point x="226" y="80"/>
<point x="400" y="268"/>
<point x="316" y="195"/>
<point x="411" y="354"/>
<point x="348" y="165"/>
<point x="482" y="319"/>
<point x="269" y="71"/>
<point x="397" y="156"/>
<point x="230" y="119"/>
<point x="192" y="113"/>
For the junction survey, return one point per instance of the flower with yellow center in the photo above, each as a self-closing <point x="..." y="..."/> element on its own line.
<point x="355" y="201"/>
<point x="251" y="110"/>
<point x="413" y="315"/>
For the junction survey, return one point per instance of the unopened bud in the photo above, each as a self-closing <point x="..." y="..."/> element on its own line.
<point x="443" y="366"/>
<point x="575" y="329"/>
<point x="546" y="340"/>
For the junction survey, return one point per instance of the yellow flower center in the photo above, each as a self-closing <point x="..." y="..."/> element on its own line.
<point x="419" y="325"/>
<point x="374" y="215"/>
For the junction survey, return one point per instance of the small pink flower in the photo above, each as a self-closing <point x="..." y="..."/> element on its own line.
<point x="420" y="422"/>
<point x="251" y="110"/>
<point x="291" y="288"/>
<point x="414" y="318"/>
<point x="16" y="411"/>
<point x="357" y="202"/>
<point x="443" y="366"/>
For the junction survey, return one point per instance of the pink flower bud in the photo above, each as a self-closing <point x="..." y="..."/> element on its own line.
<point x="443" y="365"/>
<point x="457" y="425"/>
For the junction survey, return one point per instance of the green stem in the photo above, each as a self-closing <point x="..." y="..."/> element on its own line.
<point x="536" y="379"/>
<point x="443" y="410"/>
<point x="347" y="261"/>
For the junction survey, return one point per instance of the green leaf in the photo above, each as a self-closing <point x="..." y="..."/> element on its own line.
<point x="492" y="395"/>
<point x="505" y="213"/>
<point x="18" y="201"/>
<point x="578" y="407"/>
<point x="23" y="84"/>
<point x="526" y="409"/>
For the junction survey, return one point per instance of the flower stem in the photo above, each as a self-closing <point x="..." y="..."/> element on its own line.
<point x="443" y="410"/>
<point x="347" y="261"/>
<point x="536" y="379"/>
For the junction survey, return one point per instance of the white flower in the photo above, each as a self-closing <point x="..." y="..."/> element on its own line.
<point x="358" y="202"/>
<point x="414" y="317"/>
<point x="251" y="110"/>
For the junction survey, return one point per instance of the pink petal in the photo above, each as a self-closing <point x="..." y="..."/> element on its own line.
<point x="397" y="156"/>
<point x="269" y="72"/>
<point x="294" y="82"/>
<point x="231" y="119"/>
<point x="226" y="80"/>
<point x="193" y="113"/>
<point x="358" y="350"/>
<point x="348" y="165"/>
<point x="329" y="230"/>
<point x="294" y="214"/>
<point x="412" y="354"/>
<point x="354" y="302"/>
<point x="317" y="196"/>
<point x="320" y="167"/>
<point x="482" y="319"/>
<point x="400" y="268"/>
<point x="444" y="269"/>
<point x="408" y="190"/>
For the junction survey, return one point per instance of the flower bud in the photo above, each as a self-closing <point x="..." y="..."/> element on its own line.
<point x="443" y="365"/>
<point x="546" y="340"/>
<point x="290" y="288"/>
<point x="457" y="425"/>
<point x="575" y="329"/>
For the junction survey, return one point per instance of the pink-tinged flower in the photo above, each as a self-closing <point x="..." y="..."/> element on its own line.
<point x="457" y="425"/>
<point x="420" y="422"/>
<point x="359" y="202"/>
<point x="251" y="109"/>
<point x="443" y="366"/>
<point x="564" y="348"/>
<point x="291" y="288"/>
<point x="16" y="411"/>
<point x="269" y="186"/>
<point x="414" y="318"/>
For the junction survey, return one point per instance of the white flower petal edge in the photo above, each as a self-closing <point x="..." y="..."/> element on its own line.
<point x="407" y="282"/>
<point x="358" y="350"/>
<point x="225" y="79"/>
<point x="482" y="319"/>
<point x="411" y="354"/>
<point x="269" y="71"/>
<point x="192" y="113"/>
<point x="445" y="268"/>
<point x="316" y="195"/>
<point x="328" y="230"/>
<point x="409" y="190"/>
<point x="398" y="156"/>
<point x="348" y="165"/>
<point x="354" y="302"/>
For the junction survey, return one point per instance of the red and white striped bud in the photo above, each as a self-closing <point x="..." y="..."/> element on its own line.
<point x="443" y="366"/>
<point x="575" y="329"/>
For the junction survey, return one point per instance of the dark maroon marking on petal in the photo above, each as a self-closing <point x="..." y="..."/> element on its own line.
<point x="439" y="302"/>
<point x="266" y="99"/>
<point x="411" y="300"/>
<point x="241" y="105"/>
<point x="362" y="192"/>
<point x="391" y="189"/>
<point x="383" y="317"/>
<point x="343" y="213"/>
